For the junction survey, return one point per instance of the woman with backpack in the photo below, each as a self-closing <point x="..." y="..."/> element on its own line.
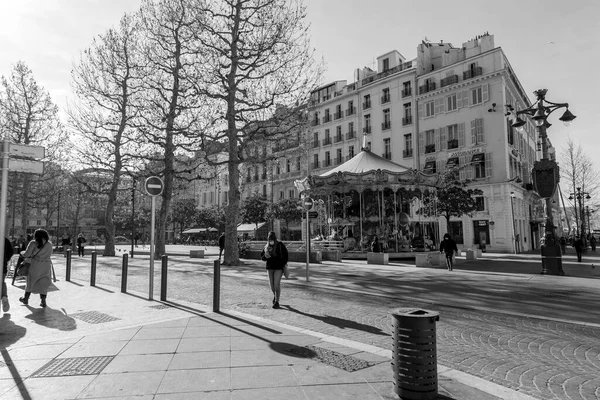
<point x="276" y="255"/>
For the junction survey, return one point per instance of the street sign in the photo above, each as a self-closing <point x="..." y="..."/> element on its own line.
<point x="154" y="186"/>
<point x="307" y="203"/>
<point x="24" y="150"/>
<point x="30" y="166"/>
<point x="311" y="215"/>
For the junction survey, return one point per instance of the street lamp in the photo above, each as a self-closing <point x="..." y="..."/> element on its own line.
<point x="545" y="171"/>
<point x="512" y="213"/>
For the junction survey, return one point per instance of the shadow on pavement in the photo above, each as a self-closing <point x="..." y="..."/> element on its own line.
<point x="51" y="318"/>
<point x="528" y="267"/>
<point x="339" y="322"/>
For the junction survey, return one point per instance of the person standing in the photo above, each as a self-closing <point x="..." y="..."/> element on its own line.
<point x="221" y="244"/>
<point x="66" y="243"/>
<point x="375" y="245"/>
<point x="276" y="255"/>
<point x="578" y="244"/>
<point x="81" y="245"/>
<point x="39" y="277"/>
<point x="448" y="246"/>
<point x="8" y="253"/>
<point x="593" y="243"/>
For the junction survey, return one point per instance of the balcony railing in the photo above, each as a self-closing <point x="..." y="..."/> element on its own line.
<point x="366" y="105"/>
<point x="387" y="155"/>
<point x="367" y="129"/>
<point x="338" y="138"/>
<point x="339" y="160"/>
<point x="337" y="115"/>
<point x="386" y="125"/>
<point x="406" y="92"/>
<point x="350" y="111"/>
<point x="349" y="157"/>
<point x="407" y="120"/>
<point x="452" y="144"/>
<point x="385" y="99"/>
<point x="450" y="80"/>
<point x="350" y="135"/>
<point x="427" y="87"/>
<point x="407" y="153"/>
<point x="315" y="122"/>
<point x="326" y="163"/>
<point x="316" y="165"/>
<point x="385" y="73"/>
<point x="327" y="118"/>
<point x="316" y="143"/>
<point x="472" y="73"/>
<point x="429" y="148"/>
<point x="326" y="141"/>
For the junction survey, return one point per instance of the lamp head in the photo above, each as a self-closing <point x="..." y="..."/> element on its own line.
<point x="518" y="124"/>
<point x="588" y="197"/>
<point x="571" y="197"/>
<point x="567" y="117"/>
<point x="539" y="117"/>
<point x="512" y="194"/>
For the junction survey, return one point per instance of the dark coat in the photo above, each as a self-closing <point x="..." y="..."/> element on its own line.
<point x="8" y="253"/>
<point x="448" y="246"/>
<point x="278" y="258"/>
<point x="578" y="244"/>
<point x="222" y="241"/>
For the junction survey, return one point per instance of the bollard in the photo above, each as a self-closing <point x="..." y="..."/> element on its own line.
<point x="124" y="274"/>
<point x="163" y="278"/>
<point x="414" y="359"/>
<point x="93" y="274"/>
<point x="68" y="277"/>
<point x="217" y="286"/>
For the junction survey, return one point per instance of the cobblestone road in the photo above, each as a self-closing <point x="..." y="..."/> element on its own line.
<point x="545" y="359"/>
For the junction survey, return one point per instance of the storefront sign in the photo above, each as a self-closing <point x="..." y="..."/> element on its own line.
<point x="466" y="152"/>
<point x="482" y="222"/>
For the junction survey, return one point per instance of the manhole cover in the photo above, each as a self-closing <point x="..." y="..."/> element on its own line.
<point x="73" y="366"/>
<point x="94" y="317"/>
<point x="253" y="305"/>
<point x="333" y="358"/>
<point x="160" y="307"/>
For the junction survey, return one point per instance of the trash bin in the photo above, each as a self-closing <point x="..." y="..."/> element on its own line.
<point x="414" y="359"/>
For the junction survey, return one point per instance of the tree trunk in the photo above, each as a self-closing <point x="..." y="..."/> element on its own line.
<point x="25" y="205"/>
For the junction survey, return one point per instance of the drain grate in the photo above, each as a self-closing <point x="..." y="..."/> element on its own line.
<point x="94" y="317"/>
<point x="160" y="307"/>
<point x="333" y="358"/>
<point x="73" y="366"/>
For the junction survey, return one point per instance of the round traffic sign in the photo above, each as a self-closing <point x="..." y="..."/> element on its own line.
<point x="307" y="203"/>
<point x="154" y="186"/>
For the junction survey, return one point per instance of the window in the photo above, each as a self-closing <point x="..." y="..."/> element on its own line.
<point x="456" y="231"/>
<point x="408" y="141"/>
<point x="476" y="96"/>
<point x="429" y="109"/>
<point x="288" y="165"/>
<point x="406" y="91"/>
<point x="316" y="161"/>
<point x="368" y="123"/>
<point x="291" y="194"/>
<point x="510" y="132"/>
<point x="327" y="158"/>
<point x="367" y="101"/>
<point x="477" y="131"/>
<point x="211" y="198"/>
<point x="265" y="190"/>
<point x="387" y="122"/>
<point x="350" y="127"/>
<point x="351" y="151"/>
<point x="478" y="161"/>
<point x="479" y="203"/>
<point x="338" y="133"/>
<point x="278" y="168"/>
<point x="452" y="132"/>
<point x="387" y="149"/>
<point x="386" y="64"/>
<point x="298" y="166"/>
<point x="451" y="102"/>
<point x="281" y="194"/>
<point x="203" y="198"/>
<point x="385" y="96"/>
<point x="338" y="158"/>
<point x="407" y="110"/>
<point x="430" y="137"/>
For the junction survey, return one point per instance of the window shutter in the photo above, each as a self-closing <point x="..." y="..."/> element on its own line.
<point x="484" y="92"/>
<point x="479" y="128"/>
<point x="488" y="165"/>
<point x="462" y="173"/>
<point x="420" y="110"/>
<point x="421" y="143"/>
<point x="469" y="170"/>
<point x="461" y="134"/>
<point x="439" y="166"/>
<point x="443" y="140"/>
<point x="436" y="106"/>
<point x="437" y="139"/>
<point x="459" y="103"/>
<point x="474" y="131"/>
<point x="465" y="97"/>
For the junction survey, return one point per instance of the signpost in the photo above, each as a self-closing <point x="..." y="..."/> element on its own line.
<point x="308" y="205"/>
<point x="154" y="187"/>
<point x="17" y="165"/>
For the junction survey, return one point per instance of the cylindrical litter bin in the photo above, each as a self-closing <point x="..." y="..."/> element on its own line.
<point x="414" y="353"/>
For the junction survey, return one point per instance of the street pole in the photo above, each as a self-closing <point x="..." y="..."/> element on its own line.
<point x="151" y="279"/>
<point x="132" y="214"/>
<point x="512" y="212"/>
<point x="4" y="190"/>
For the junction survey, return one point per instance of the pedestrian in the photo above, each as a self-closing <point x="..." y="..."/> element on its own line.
<point x="137" y="237"/>
<point x="578" y="245"/>
<point x="375" y="245"/>
<point x="66" y="243"/>
<point x="221" y="244"/>
<point x="20" y="243"/>
<point x="593" y="243"/>
<point x="276" y="255"/>
<point x="81" y="245"/>
<point x="448" y="246"/>
<point x="563" y="244"/>
<point x="39" y="277"/>
<point x="8" y="253"/>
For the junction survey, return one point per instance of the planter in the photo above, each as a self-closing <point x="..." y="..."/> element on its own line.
<point x="378" y="258"/>
<point x="431" y="259"/>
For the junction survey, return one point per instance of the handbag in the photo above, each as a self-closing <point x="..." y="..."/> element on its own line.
<point x="23" y="269"/>
<point x="286" y="271"/>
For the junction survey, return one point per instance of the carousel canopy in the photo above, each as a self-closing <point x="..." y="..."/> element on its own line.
<point x="199" y="230"/>
<point x="366" y="161"/>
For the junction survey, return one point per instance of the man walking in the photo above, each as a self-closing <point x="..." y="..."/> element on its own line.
<point x="448" y="246"/>
<point x="221" y="244"/>
<point x="578" y="244"/>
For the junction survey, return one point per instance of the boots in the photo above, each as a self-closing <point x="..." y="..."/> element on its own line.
<point x="43" y="300"/>
<point x="25" y="299"/>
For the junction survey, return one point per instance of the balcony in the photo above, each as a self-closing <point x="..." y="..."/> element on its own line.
<point x="366" y="105"/>
<point x="406" y="92"/>
<point x="327" y="118"/>
<point x="386" y="125"/>
<point x="407" y="153"/>
<point x="349" y="157"/>
<point x="339" y="160"/>
<point x="315" y="122"/>
<point x="326" y="141"/>
<point x="387" y="155"/>
<point x="407" y="120"/>
<point x="315" y="165"/>
<point x="450" y="80"/>
<point x="429" y="148"/>
<point x="427" y="87"/>
<point x="350" y="111"/>
<point x="367" y="129"/>
<point x="263" y="176"/>
<point x="385" y="99"/>
<point x="316" y="143"/>
<point x="472" y="73"/>
<point x="338" y="115"/>
<point x="326" y="163"/>
<point x="350" y="135"/>
<point x="452" y="144"/>
<point x="338" y="138"/>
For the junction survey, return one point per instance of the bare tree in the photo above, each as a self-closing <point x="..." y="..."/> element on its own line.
<point x="257" y="73"/>
<point x="106" y="82"/>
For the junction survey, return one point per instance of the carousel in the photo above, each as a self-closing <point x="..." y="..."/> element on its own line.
<point x="369" y="196"/>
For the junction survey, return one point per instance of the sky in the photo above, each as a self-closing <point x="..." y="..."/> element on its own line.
<point x="550" y="44"/>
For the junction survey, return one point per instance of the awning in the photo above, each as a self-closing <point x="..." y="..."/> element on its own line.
<point x="478" y="158"/>
<point x="200" y="230"/>
<point x="249" y="228"/>
<point x="452" y="161"/>
<point x="429" y="166"/>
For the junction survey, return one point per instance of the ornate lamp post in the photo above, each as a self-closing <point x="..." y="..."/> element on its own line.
<point x="545" y="171"/>
<point x="512" y="213"/>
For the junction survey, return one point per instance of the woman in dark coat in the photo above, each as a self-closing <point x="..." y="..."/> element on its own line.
<point x="276" y="256"/>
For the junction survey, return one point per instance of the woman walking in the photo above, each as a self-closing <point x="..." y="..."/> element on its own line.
<point x="81" y="245"/>
<point x="39" y="277"/>
<point x="276" y="256"/>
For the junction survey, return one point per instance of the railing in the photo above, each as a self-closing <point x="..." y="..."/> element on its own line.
<point x="325" y="98"/>
<point x="326" y="141"/>
<point x="315" y="122"/>
<point x="388" y="72"/>
<point x="406" y="92"/>
<point x="407" y="153"/>
<point x="385" y="99"/>
<point x="427" y="87"/>
<point x="450" y="80"/>
<point x="316" y="165"/>
<point x="349" y="157"/>
<point x="326" y="163"/>
<point x="367" y="129"/>
<point x="337" y="115"/>
<point x="387" y="155"/>
<point x="407" y="120"/>
<point x="452" y="144"/>
<point x="327" y="118"/>
<point x="350" y="111"/>
<point x="386" y="125"/>
<point x="316" y="143"/>
<point x="338" y="161"/>
<point x="472" y="73"/>
<point x="366" y="105"/>
<point x="338" y="138"/>
<point x="430" y="148"/>
<point x="350" y="135"/>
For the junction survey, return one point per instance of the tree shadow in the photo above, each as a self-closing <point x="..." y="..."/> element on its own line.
<point x="339" y="322"/>
<point x="51" y="318"/>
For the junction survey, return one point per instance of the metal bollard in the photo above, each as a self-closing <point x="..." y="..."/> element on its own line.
<point x="68" y="277"/>
<point x="93" y="274"/>
<point x="163" y="278"/>
<point x="217" y="286"/>
<point x="124" y="273"/>
<point x="414" y="359"/>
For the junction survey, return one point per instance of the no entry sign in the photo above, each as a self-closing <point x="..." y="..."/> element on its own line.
<point x="154" y="186"/>
<point x="308" y="203"/>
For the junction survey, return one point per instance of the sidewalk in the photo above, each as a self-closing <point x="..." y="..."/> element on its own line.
<point x="93" y="342"/>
